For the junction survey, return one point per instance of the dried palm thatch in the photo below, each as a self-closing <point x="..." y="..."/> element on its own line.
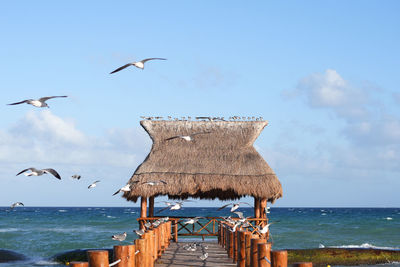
<point x="218" y="162"/>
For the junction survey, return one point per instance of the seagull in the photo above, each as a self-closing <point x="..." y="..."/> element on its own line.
<point x="139" y="232"/>
<point x="265" y="229"/>
<point x="267" y="210"/>
<point x="204" y="256"/>
<point x="192" y="220"/>
<point x="235" y="206"/>
<point x="119" y="237"/>
<point x="147" y="225"/>
<point x="36" y="172"/>
<point x="40" y="103"/>
<point x="16" y="204"/>
<point x="265" y="258"/>
<point x="138" y="64"/>
<point x="125" y="188"/>
<point x="93" y="184"/>
<point x="155" y="182"/>
<point x="76" y="176"/>
<point x="185" y="137"/>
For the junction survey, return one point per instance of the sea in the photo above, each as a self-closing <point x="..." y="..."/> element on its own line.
<point x="41" y="232"/>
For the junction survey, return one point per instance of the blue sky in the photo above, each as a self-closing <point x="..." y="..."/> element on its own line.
<point x="323" y="73"/>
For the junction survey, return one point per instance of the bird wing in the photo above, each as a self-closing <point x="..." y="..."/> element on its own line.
<point x="95" y="182"/>
<point x="53" y="172"/>
<point x="121" y="68"/>
<point x="224" y="206"/>
<point x="29" y="169"/>
<point x="173" y="137"/>
<point x="163" y="209"/>
<point x="245" y="203"/>
<point x="20" y="102"/>
<point x="152" y="58"/>
<point x="119" y="190"/>
<point x="162" y="181"/>
<point x="43" y="99"/>
<point x="239" y="213"/>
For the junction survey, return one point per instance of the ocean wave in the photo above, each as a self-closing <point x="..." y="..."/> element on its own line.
<point x="62" y="210"/>
<point x="365" y="245"/>
<point x="45" y="263"/>
<point x="5" y="230"/>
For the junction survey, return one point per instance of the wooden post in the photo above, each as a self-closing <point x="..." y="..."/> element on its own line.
<point x="235" y="245"/>
<point x="279" y="258"/>
<point x="219" y="233"/>
<point x="140" y="257"/>
<point x="147" y="249"/>
<point x="247" y="244"/>
<point x="231" y="242"/>
<point x="263" y="205"/>
<point x="264" y="251"/>
<point x="176" y="230"/>
<point x="254" y="250"/>
<point x="126" y="254"/>
<point x="302" y="264"/>
<point x="78" y="264"/>
<point x="143" y="211"/>
<point x="256" y="207"/>
<point x="151" y="206"/>
<point x="241" y="250"/>
<point x="98" y="258"/>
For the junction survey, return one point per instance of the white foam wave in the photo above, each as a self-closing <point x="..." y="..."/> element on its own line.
<point x="45" y="263"/>
<point x="389" y="218"/>
<point x="365" y="245"/>
<point x="62" y="210"/>
<point x="5" y="230"/>
<point x="112" y="217"/>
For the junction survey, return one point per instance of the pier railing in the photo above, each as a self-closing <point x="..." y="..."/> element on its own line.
<point x="204" y="227"/>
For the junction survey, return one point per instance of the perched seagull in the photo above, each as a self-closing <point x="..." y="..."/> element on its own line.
<point x="125" y="188"/>
<point x="151" y="183"/>
<point x="235" y="226"/>
<point x="93" y="184"/>
<point x="40" y="103"/>
<point x="16" y="204"/>
<point x="119" y="237"/>
<point x="185" y="137"/>
<point x="192" y="220"/>
<point x="76" y="176"/>
<point x="138" y="64"/>
<point x="204" y="256"/>
<point x="235" y="206"/>
<point x="36" y="172"/>
<point x="147" y="225"/>
<point x="139" y="232"/>
<point x="267" y="210"/>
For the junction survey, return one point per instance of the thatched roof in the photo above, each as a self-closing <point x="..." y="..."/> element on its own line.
<point x="219" y="162"/>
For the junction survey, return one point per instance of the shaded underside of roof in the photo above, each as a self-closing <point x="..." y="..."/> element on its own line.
<point x="218" y="162"/>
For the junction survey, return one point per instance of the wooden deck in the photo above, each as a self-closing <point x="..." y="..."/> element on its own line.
<point x="176" y="255"/>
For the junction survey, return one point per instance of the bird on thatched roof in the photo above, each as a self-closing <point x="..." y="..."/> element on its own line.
<point x="138" y="64"/>
<point x="36" y="172"/>
<point x="16" y="204"/>
<point x="94" y="184"/>
<point x="235" y="206"/>
<point x="39" y="103"/>
<point x="185" y="137"/>
<point x="152" y="183"/>
<point x="125" y="188"/>
<point x="119" y="237"/>
<point x="76" y="176"/>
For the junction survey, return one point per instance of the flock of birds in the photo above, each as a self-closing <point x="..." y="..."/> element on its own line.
<point x="241" y="222"/>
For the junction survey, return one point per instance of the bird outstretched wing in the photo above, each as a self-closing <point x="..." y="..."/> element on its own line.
<point x="29" y="169"/>
<point x="43" y="99"/>
<point x="121" y="68"/>
<point x="152" y="58"/>
<point x="224" y="206"/>
<point x="17" y="103"/>
<point x="53" y="172"/>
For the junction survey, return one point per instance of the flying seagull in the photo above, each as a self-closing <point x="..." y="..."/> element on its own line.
<point x="76" y="176"/>
<point x="40" y="103"/>
<point x="93" y="184"/>
<point x="119" y="237"/>
<point x="235" y="206"/>
<point x="185" y="137"/>
<point x="138" y="64"/>
<point x="36" y="172"/>
<point x="16" y="204"/>
<point x="151" y="183"/>
<point x="265" y="229"/>
<point x="192" y="220"/>
<point x="125" y="188"/>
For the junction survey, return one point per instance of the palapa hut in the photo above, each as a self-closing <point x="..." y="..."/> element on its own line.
<point x="219" y="161"/>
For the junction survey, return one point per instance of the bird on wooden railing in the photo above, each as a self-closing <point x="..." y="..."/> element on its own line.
<point x="193" y="220"/>
<point x="139" y="232"/>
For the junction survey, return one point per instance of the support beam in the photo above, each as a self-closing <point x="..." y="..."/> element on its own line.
<point x="257" y="207"/>
<point x="143" y="211"/>
<point x="151" y="206"/>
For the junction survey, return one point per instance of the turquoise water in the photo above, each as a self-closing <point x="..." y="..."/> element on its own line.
<point x="41" y="232"/>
